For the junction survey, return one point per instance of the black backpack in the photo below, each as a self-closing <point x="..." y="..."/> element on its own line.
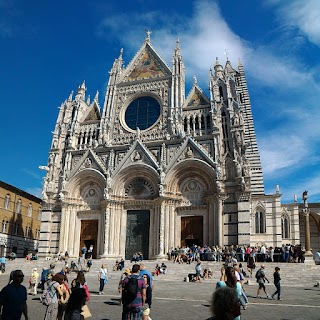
<point x="130" y="290"/>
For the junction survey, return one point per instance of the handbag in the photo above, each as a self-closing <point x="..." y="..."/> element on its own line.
<point x="86" y="312"/>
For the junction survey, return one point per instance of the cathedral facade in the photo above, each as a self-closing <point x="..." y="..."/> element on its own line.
<point x="156" y="168"/>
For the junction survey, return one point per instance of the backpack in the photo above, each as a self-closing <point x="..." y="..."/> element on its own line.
<point x="258" y="274"/>
<point x="130" y="290"/>
<point x="46" y="297"/>
<point x="45" y="275"/>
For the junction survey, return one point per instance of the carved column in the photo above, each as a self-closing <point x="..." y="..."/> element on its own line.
<point x="63" y="239"/>
<point x="106" y="231"/>
<point x="161" y="231"/>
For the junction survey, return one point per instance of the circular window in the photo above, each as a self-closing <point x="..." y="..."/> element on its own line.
<point x="142" y="113"/>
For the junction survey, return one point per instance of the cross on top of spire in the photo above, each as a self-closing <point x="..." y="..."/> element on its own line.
<point x="148" y="33"/>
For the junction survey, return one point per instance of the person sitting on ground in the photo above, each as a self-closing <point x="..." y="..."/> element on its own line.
<point x="156" y="271"/>
<point x="134" y="257"/>
<point x="73" y="267"/>
<point x="163" y="268"/>
<point x="120" y="264"/>
<point x="115" y="267"/>
<point x="225" y="304"/>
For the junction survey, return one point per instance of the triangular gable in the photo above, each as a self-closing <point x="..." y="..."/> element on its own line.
<point x="137" y="154"/>
<point x="93" y="113"/>
<point x="88" y="161"/>
<point x="190" y="150"/>
<point x="196" y="98"/>
<point x="147" y="64"/>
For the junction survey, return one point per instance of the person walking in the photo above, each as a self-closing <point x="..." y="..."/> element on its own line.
<point x="102" y="277"/>
<point x="33" y="282"/>
<point x="276" y="281"/>
<point x="261" y="278"/>
<point x="133" y="295"/>
<point x="13" y="298"/>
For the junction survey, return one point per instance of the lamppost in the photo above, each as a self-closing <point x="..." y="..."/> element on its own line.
<point x="306" y="212"/>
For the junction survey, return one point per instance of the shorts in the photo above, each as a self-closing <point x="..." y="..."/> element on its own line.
<point x="261" y="285"/>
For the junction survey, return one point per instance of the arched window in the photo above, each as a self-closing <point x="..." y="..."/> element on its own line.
<point x="7" y="201"/>
<point x="285" y="227"/>
<point x="3" y="230"/>
<point x="260" y="221"/>
<point x="18" y="206"/>
<point x="29" y="210"/>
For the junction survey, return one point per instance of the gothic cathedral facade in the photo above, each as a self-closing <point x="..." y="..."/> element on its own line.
<point x="154" y="168"/>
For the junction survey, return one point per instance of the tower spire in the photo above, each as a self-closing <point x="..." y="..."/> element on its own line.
<point x="148" y="38"/>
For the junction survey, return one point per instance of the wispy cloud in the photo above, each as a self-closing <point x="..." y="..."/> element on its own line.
<point x="301" y="15"/>
<point x="31" y="174"/>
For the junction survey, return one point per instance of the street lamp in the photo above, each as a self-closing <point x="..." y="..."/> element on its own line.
<point x="306" y="212"/>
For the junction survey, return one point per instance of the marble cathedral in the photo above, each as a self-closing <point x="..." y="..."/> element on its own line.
<point x="154" y="168"/>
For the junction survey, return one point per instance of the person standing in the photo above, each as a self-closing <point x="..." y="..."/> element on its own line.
<point x="33" y="282"/>
<point x="13" y="298"/>
<point x="133" y="295"/>
<point x="198" y="271"/>
<point x="143" y="271"/>
<point x="54" y="291"/>
<point x="103" y="278"/>
<point x="261" y="278"/>
<point x="276" y="281"/>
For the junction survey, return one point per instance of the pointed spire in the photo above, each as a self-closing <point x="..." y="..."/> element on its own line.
<point x="70" y="96"/>
<point x="218" y="68"/>
<point x="239" y="63"/>
<point x="148" y="33"/>
<point x="83" y="86"/>
<point x="88" y="100"/>
<point x="96" y="97"/>
<point x="81" y="91"/>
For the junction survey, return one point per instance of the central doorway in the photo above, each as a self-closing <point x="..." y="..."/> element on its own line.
<point x="137" y="237"/>
<point x="88" y="235"/>
<point x="192" y="231"/>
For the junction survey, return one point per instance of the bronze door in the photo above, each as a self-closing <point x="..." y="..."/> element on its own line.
<point x="192" y="230"/>
<point x="137" y="239"/>
<point x="89" y="235"/>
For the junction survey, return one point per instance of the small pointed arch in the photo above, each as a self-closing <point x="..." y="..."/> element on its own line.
<point x="18" y="206"/>
<point x="259" y="219"/>
<point x="30" y="209"/>
<point x="285" y="225"/>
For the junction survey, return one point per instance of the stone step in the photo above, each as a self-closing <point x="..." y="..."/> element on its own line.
<point x="292" y="274"/>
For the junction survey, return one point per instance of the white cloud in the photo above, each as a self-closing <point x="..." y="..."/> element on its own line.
<point x="303" y="15"/>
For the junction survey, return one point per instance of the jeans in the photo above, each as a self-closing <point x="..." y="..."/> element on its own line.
<point x="101" y="284"/>
<point x="278" y="289"/>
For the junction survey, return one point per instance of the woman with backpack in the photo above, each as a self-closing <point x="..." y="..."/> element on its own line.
<point x="50" y="298"/>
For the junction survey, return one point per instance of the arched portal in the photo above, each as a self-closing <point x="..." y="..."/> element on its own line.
<point x="194" y="183"/>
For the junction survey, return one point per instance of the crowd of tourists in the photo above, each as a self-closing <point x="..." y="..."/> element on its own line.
<point x="259" y="253"/>
<point x="67" y="299"/>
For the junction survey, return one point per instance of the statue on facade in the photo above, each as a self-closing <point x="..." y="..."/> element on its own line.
<point x="106" y="195"/>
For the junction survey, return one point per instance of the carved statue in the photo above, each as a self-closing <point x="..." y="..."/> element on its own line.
<point x="106" y="195"/>
<point x="189" y="153"/>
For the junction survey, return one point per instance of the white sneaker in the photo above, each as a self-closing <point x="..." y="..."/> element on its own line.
<point x="100" y="293"/>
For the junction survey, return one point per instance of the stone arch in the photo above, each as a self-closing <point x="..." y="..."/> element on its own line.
<point x="88" y="186"/>
<point x="259" y="219"/>
<point x="198" y="170"/>
<point x="136" y="181"/>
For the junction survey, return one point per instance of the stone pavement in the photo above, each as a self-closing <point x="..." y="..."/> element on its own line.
<point x="175" y="299"/>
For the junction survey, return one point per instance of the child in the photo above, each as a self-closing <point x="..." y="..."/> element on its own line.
<point x="276" y="281"/>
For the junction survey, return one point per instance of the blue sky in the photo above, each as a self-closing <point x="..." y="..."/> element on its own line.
<point x="49" y="47"/>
